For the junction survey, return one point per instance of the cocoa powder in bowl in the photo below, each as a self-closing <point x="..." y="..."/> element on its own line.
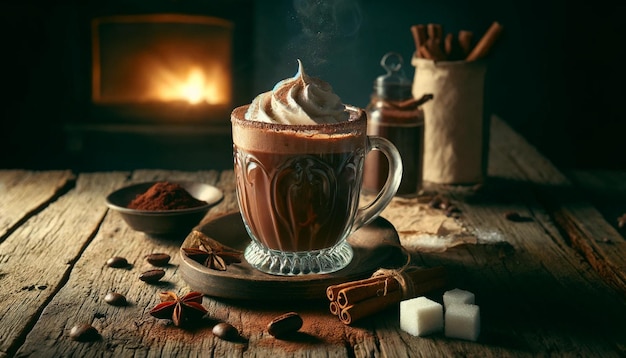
<point x="165" y="196"/>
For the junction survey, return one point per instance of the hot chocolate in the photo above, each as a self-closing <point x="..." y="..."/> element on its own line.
<point x="299" y="190"/>
<point x="299" y="154"/>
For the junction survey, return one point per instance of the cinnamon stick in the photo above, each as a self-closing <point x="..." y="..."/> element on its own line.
<point x="333" y="290"/>
<point x="382" y="287"/>
<point x="448" y="44"/>
<point x="354" y="312"/>
<point x="411" y="103"/>
<point x="435" y="31"/>
<point x="465" y="41"/>
<point x="436" y="49"/>
<point x="486" y="42"/>
<point x="424" y="52"/>
<point x="419" y="36"/>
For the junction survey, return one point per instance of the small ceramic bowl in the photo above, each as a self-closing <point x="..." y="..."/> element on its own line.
<point x="167" y="223"/>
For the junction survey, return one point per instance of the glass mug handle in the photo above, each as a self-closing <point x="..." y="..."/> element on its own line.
<point x="369" y="212"/>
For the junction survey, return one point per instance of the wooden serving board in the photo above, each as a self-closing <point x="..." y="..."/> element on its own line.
<point x="375" y="246"/>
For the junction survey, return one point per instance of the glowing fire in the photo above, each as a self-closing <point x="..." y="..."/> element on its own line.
<point x="148" y="59"/>
<point x="193" y="88"/>
<point x="196" y="87"/>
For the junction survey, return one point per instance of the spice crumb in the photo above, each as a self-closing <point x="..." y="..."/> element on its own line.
<point x="621" y="221"/>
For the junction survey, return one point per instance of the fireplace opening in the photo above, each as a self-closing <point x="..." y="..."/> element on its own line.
<point x="167" y="68"/>
<point x="160" y="81"/>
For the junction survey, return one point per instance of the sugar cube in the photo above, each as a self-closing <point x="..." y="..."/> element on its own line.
<point x="421" y="316"/>
<point x="457" y="296"/>
<point x="462" y="321"/>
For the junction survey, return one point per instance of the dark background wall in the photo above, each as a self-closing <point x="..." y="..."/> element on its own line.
<point x="555" y="74"/>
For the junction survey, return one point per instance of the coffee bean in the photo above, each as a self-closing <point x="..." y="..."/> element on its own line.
<point x="84" y="332"/>
<point x="285" y="325"/>
<point x="158" y="259"/>
<point x="117" y="262"/>
<point x="225" y="331"/>
<point x="115" y="299"/>
<point x="152" y="276"/>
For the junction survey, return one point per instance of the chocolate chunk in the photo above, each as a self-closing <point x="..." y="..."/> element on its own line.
<point x="285" y="325"/>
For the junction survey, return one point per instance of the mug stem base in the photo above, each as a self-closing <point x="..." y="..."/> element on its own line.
<point x="299" y="263"/>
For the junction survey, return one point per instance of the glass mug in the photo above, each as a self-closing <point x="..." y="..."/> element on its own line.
<point x="298" y="189"/>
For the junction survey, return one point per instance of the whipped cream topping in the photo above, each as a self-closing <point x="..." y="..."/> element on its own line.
<point x="300" y="100"/>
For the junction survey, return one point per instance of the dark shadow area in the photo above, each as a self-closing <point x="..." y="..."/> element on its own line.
<point x="555" y="75"/>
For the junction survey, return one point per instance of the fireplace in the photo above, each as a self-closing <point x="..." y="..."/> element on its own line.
<point x="162" y="68"/>
<point x="162" y="82"/>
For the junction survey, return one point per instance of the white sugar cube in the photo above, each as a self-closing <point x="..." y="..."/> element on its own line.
<point x="462" y="321"/>
<point x="457" y="296"/>
<point x="421" y="316"/>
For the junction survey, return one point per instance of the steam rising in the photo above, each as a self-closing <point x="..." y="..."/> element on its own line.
<point x="325" y="25"/>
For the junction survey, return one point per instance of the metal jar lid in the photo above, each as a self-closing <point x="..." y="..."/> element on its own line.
<point x="394" y="85"/>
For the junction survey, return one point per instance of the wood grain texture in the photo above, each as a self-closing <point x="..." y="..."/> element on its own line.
<point x="125" y="330"/>
<point x="37" y="258"/>
<point x="583" y="225"/>
<point x="606" y="190"/>
<point x="23" y="192"/>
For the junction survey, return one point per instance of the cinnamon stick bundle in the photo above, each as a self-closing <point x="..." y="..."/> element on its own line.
<point x="430" y="43"/>
<point x="354" y="300"/>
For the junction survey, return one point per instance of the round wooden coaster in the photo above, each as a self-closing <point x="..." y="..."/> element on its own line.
<point x="375" y="246"/>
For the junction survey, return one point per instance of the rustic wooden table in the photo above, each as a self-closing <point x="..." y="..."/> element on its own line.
<point x="552" y="285"/>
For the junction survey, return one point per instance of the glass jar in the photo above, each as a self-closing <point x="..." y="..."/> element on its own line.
<point x="394" y="114"/>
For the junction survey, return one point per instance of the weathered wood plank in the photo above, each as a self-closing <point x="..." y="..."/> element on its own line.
<point x="598" y="241"/>
<point x="126" y="330"/>
<point x="36" y="259"/>
<point x="606" y="189"/>
<point x="23" y="192"/>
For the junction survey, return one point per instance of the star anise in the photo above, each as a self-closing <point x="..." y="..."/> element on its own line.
<point x="212" y="258"/>
<point x="211" y="253"/>
<point x="181" y="310"/>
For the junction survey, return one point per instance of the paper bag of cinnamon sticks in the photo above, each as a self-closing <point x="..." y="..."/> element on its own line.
<point x="455" y="125"/>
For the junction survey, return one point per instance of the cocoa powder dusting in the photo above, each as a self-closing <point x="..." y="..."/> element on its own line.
<point x="165" y="196"/>
<point x="319" y="327"/>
